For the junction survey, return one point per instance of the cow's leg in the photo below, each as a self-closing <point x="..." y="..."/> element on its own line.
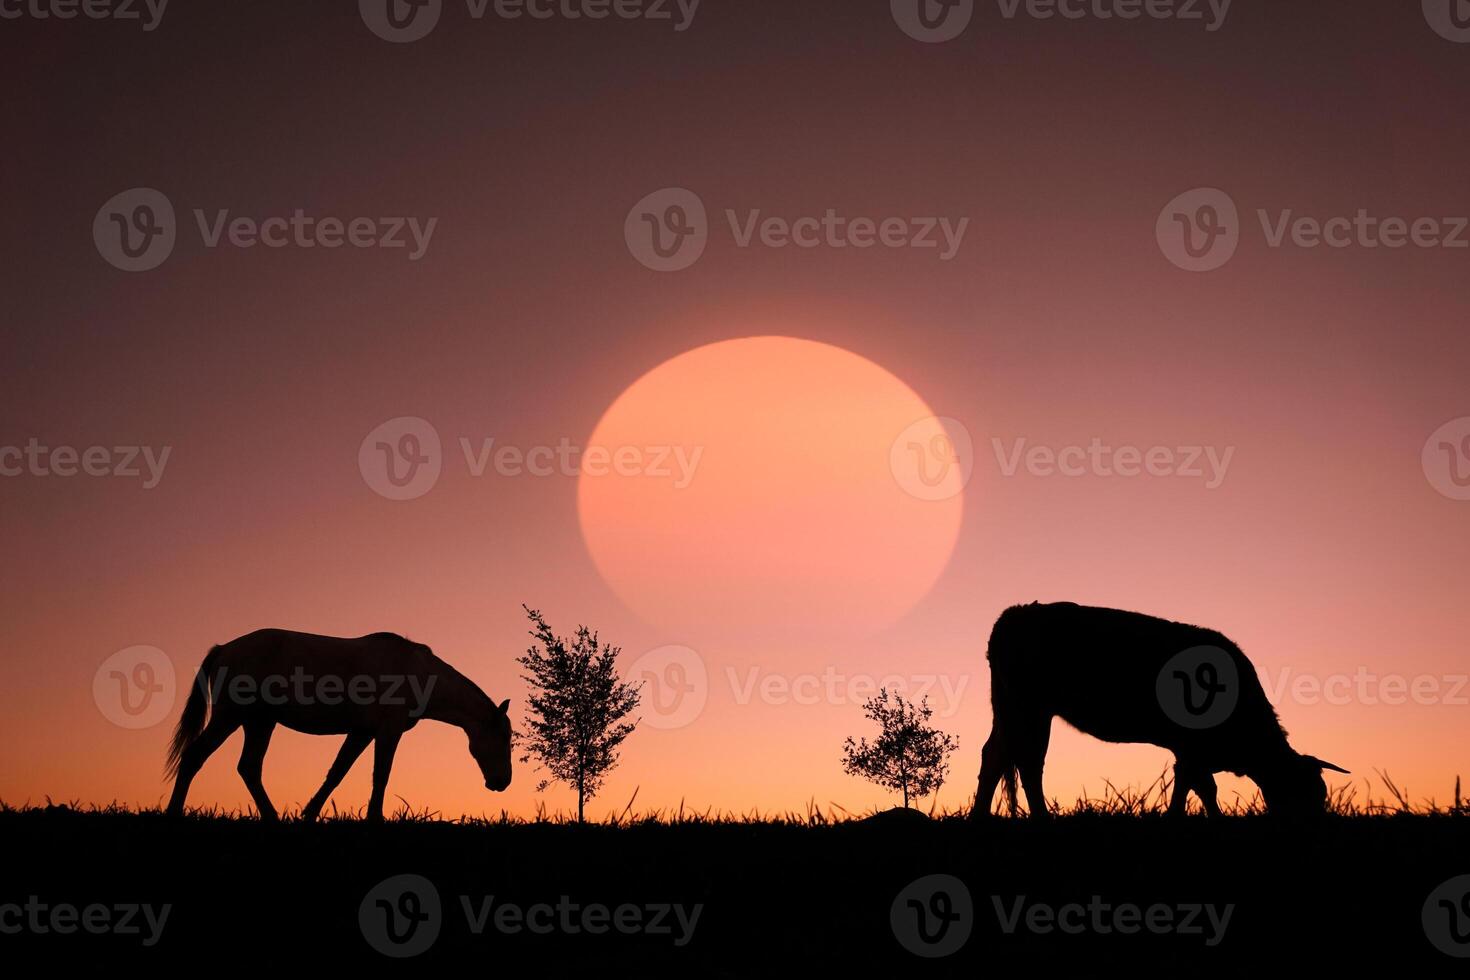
<point x="200" y="749"/>
<point x="346" y="756"/>
<point x="252" y="762"/>
<point x="1028" y="745"/>
<point x="1204" y="788"/>
<point x="384" y="746"/>
<point x="994" y="764"/>
<point x="1184" y="778"/>
<point x="1192" y="778"/>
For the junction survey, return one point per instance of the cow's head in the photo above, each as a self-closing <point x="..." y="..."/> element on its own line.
<point x="1294" y="786"/>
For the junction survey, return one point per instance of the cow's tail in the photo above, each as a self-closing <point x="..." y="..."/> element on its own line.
<point x="196" y="709"/>
<point x="1000" y="655"/>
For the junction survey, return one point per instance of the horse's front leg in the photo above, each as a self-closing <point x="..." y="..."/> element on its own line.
<point x="384" y="746"/>
<point x="346" y="756"/>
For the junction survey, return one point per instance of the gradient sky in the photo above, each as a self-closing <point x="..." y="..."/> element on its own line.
<point x="1326" y="550"/>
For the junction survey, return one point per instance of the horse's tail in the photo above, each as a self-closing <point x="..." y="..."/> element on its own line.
<point x="191" y="722"/>
<point x="1008" y="780"/>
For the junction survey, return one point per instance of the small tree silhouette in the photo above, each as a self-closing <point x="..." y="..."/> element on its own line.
<point x="908" y="755"/>
<point x="578" y="704"/>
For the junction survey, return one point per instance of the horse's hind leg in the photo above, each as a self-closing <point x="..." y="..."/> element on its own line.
<point x="346" y="756"/>
<point x="384" y="746"/>
<point x="252" y="761"/>
<point x="200" y="749"/>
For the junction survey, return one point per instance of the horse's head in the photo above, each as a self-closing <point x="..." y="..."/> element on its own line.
<point x="490" y="745"/>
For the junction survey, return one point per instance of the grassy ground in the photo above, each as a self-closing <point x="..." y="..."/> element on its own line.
<point x="800" y="893"/>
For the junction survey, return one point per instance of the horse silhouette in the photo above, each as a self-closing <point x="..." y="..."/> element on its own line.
<point x="371" y="689"/>
<point x="1126" y="677"/>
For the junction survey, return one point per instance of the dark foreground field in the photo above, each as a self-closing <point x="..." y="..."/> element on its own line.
<point x="772" y="899"/>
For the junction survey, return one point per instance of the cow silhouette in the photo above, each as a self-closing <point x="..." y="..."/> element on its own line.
<point x="1127" y="677"/>
<point x="370" y="689"/>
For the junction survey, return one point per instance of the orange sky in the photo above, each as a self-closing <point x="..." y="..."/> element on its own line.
<point x="1324" y="551"/>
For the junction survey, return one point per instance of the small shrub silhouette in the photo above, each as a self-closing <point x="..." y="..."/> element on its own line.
<point x="578" y="706"/>
<point x="908" y="756"/>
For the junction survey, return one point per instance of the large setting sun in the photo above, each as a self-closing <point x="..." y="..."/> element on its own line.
<point x="786" y="514"/>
